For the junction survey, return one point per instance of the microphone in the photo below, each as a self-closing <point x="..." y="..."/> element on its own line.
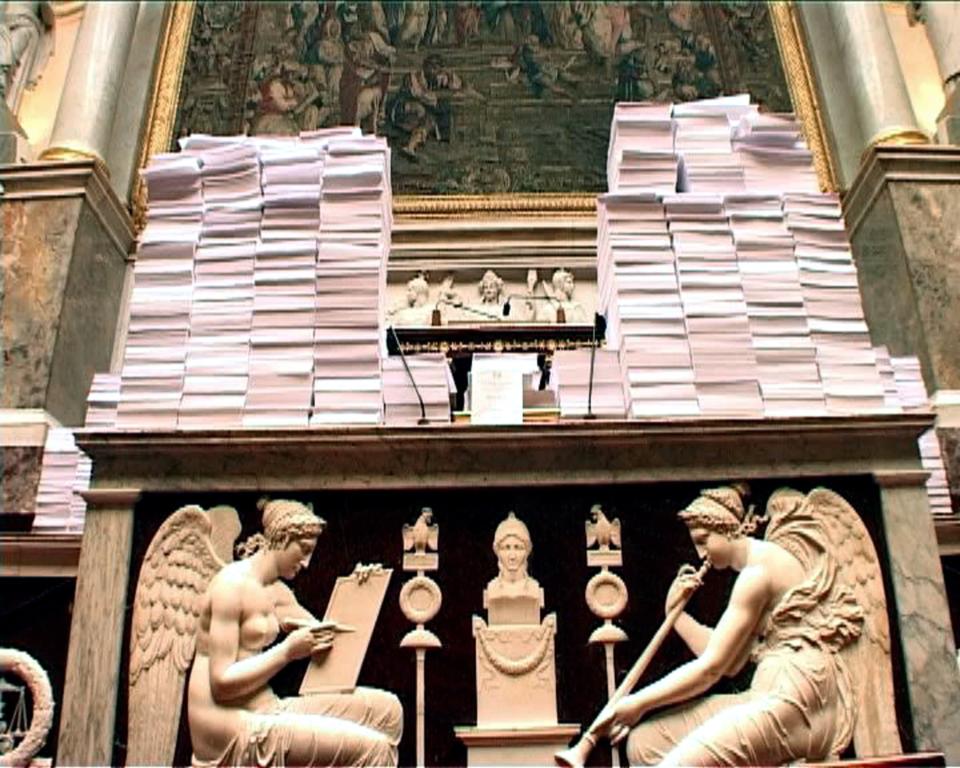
<point x="561" y="315"/>
<point x="423" y="411"/>
<point x="436" y="319"/>
<point x="599" y="328"/>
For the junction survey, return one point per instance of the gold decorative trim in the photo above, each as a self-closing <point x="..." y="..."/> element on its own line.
<point x="166" y="97"/>
<point x="67" y="154"/>
<point x="897" y="135"/>
<point x="793" y="53"/>
<point x="803" y="92"/>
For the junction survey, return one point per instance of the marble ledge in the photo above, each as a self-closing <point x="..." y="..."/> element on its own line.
<point x="569" y="453"/>
<point x="70" y="178"/>
<point x="918" y="163"/>
<point x="29" y="555"/>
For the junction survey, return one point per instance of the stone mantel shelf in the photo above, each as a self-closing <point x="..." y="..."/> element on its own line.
<point x="575" y="453"/>
<point x="897" y="163"/>
<point x="39" y="554"/>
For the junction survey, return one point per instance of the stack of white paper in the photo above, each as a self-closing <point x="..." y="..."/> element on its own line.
<point x="352" y="250"/>
<point x="64" y="472"/>
<point x="704" y="143"/>
<point x="845" y="355"/>
<point x="291" y="174"/>
<point x="102" y="401"/>
<point x="891" y="395"/>
<point x="774" y="156"/>
<point x="434" y="381"/>
<point x="786" y="357"/>
<point x="909" y="383"/>
<point x="281" y="337"/>
<point x="216" y="367"/>
<point x="714" y="310"/>
<point x="175" y="198"/>
<point x="639" y="293"/>
<point x="570" y="378"/>
<point x="640" y="156"/>
<point x="230" y="175"/>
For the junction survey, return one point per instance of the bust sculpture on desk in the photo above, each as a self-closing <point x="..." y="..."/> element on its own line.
<point x="516" y="664"/>
<point x="190" y="597"/>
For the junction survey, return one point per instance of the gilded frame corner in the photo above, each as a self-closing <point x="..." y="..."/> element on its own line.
<point x="165" y="100"/>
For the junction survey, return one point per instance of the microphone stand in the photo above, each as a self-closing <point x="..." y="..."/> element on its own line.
<point x="403" y="359"/>
<point x="597" y="321"/>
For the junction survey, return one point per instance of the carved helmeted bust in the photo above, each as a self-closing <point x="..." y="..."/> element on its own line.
<point x="513" y="597"/>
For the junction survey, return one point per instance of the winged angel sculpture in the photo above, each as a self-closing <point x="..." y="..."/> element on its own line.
<point x="808" y="606"/>
<point x="193" y="604"/>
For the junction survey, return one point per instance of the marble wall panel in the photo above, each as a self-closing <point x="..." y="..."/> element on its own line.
<point x="21" y="476"/>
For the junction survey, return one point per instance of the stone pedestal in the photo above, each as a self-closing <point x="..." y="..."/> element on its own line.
<point x="516" y="746"/>
<point x="902" y="212"/>
<point x="64" y="253"/>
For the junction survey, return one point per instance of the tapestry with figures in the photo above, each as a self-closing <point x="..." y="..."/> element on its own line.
<point x="480" y="97"/>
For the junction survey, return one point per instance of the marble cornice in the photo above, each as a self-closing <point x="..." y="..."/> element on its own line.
<point x="580" y="453"/>
<point x="47" y="555"/>
<point x="924" y="163"/>
<point x="71" y="178"/>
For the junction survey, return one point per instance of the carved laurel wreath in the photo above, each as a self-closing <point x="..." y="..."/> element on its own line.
<point x="27" y="669"/>
<point x="515" y="667"/>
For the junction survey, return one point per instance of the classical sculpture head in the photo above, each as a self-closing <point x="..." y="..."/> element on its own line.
<point x="418" y="291"/>
<point x="290" y="531"/>
<point x="490" y="287"/>
<point x="714" y="519"/>
<point x="563" y="284"/>
<point x="512" y="545"/>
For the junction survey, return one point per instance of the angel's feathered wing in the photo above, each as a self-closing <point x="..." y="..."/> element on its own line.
<point x="174" y="575"/>
<point x="826" y="523"/>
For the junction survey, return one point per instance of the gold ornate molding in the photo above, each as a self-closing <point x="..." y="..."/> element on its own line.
<point x="166" y="96"/>
<point x="803" y="92"/>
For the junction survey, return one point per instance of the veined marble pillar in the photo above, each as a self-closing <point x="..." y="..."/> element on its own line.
<point x="96" y="631"/>
<point x="929" y="660"/>
<point x="880" y="96"/>
<point x="86" y="112"/>
<point x="943" y="29"/>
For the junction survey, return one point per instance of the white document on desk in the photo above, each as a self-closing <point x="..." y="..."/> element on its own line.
<point x="355" y="605"/>
<point x="496" y="388"/>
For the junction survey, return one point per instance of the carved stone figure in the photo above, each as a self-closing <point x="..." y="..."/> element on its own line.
<point x="31" y="733"/>
<point x="516" y="664"/>
<point x="490" y="288"/>
<point x="190" y="598"/>
<point x="415" y="310"/>
<point x="26" y="44"/>
<point x="561" y="288"/>
<point x="808" y="606"/>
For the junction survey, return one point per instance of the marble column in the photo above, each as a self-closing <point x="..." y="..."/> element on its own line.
<point x="880" y="98"/>
<point x="942" y="22"/>
<point x="85" y="116"/>
<point x="96" y="631"/>
<point x="922" y="613"/>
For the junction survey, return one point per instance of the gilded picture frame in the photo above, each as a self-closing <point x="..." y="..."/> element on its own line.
<point x="168" y="81"/>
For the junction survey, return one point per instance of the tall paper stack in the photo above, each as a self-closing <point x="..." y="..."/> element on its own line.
<point x="435" y="383"/>
<point x="353" y="247"/>
<point x="845" y="356"/>
<point x="705" y="143"/>
<point x="638" y="291"/>
<point x="640" y="155"/>
<point x="715" y="313"/>
<point x="102" y="401"/>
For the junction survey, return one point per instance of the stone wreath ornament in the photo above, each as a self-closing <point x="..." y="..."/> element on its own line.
<point x="24" y="666"/>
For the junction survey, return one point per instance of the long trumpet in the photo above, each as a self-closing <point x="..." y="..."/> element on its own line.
<point x="576" y="756"/>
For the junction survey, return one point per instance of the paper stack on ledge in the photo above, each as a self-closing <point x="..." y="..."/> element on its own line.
<point x="570" y="379"/>
<point x="102" y="401"/>
<point x="258" y="288"/>
<point x="747" y="304"/>
<point x="64" y="473"/>
<point x="434" y="382"/>
<point x="351" y="266"/>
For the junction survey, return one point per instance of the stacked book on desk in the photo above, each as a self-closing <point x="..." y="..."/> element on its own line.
<point x="434" y="382"/>
<point x="102" y="401"/>
<point x="352" y="252"/>
<point x="570" y="379"/>
<point x="64" y="474"/>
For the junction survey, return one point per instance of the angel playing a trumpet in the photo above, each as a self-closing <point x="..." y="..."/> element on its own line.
<point x="807" y="607"/>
